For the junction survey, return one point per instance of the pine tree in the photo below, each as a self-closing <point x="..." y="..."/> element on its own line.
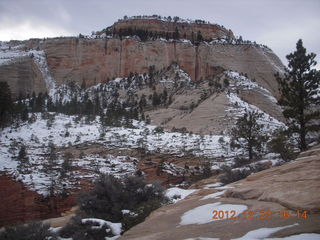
<point x="248" y="134"/>
<point x="299" y="89"/>
<point x="5" y="104"/>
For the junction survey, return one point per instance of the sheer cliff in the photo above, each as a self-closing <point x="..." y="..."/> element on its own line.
<point x="101" y="58"/>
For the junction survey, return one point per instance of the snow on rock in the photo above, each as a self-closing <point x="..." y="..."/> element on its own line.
<point x="239" y="107"/>
<point x="203" y="214"/>
<point x="9" y="55"/>
<point x="213" y="185"/>
<point x="262" y="233"/>
<point x="66" y="131"/>
<point x="115" y="228"/>
<point x="213" y="195"/>
<point x="41" y="61"/>
<point x="224" y="187"/>
<point x="176" y="194"/>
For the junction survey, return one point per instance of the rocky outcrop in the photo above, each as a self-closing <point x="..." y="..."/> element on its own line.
<point x="186" y="30"/>
<point x="288" y="188"/>
<point x="23" y="77"/>
<point x="294" y="185"/>
<point x="99" y="60"/>
<point x="19" y="204"/>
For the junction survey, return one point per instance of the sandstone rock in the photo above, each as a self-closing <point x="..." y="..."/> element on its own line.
<point x="186" y="30"/>
<point x="23" y="77"/>
<point x="19" y="204"/>
<point x="290" y="187"/>
<point x="99" y="60"/>
<point x="294" y="185"/>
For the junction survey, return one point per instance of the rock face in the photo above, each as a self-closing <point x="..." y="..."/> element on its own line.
<point x="18" y="204"/>
<point x="99" y="60"/>
<point x="186" y="30"/>
<point x="290" y="187"/>
<point x="23" y="77"/>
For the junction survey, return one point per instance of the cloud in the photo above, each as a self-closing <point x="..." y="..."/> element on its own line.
<point x="10" y="30"/>
<point x="277" y="24"/>
<point x="283" y="38"/>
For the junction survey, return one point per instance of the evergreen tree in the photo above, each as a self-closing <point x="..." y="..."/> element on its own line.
<point x="5" y="104"/>
<point x="22" y="155"/>
<point x="199" y="37"/>
<point x="39" y="105"/>
<point x="299" y="93"/>
<point x="176" y="34"/>
<point x="248" y="134"/>
<point x="155" y="99"/>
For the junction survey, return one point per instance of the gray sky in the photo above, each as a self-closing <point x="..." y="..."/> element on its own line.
<point x="275" y="23"/>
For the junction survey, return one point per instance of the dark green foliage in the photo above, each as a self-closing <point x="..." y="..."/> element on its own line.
<point x="226" y="82"/>
<point x="66" y="165"/>
<point x="158" y="129"/>
<point x="22" y="156"/>
<point x="78" y="230"/>
<point x="6" y="104"/>
<point x="156" y="100"/>
<point x="281" y="143"/>
<point x="248" y="134"/>
<point x="39" y="103"/>
<point x="32" y="231"/>
<point x="199" y="37"/>
<point x="111" y="195"/>
<point x="299" y="94"/>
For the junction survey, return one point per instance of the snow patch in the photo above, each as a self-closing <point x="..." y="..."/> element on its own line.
<point x="213" y="195"/>
<point x="177" y="194"/>
<point x="203" y="214"/>
<point x="115" y="228"/>
<point x="262" y="233"/>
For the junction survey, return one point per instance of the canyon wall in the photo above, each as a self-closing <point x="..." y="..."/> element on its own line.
<point x="23" y="77"/>
<point x="102" y="59"/>
<point x="99" y="60"/>
<point x="19" y="204"/>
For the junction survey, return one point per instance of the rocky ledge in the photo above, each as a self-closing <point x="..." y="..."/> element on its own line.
<point x="278" y="202"/>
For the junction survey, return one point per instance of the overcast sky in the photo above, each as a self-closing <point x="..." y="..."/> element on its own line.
<point x="275" y="23"/>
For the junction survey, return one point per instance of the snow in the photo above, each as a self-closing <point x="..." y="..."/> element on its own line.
<point x="213" y="185"/>
<point x="239" y="107"/>
<point x="115" y="228"/>
<point x="41" y="61"/>
<point x="213" y="195"/>
<point x="9" y="55"/>
<point x="224" y="187"/>
<point x="247" y="84"/>
<point x="37" y="136"/>
<point x="203" y="214"/>
<point x="177" y="194"/>
<point x="128" y="212"/>
<point x="262" y="233"/>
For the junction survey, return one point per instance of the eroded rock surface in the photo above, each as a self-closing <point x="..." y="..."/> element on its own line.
<point x="290" y="187"/>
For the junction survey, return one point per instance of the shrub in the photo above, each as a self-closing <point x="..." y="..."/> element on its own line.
<point x="32" y="231"/>
<point x="281" y="144"/>
<point x="76" y="229"/>
<point x="158" y="130"/>
<point x="111" y="195"/>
